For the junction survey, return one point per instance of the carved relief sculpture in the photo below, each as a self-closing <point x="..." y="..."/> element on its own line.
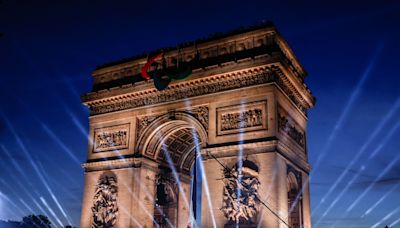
<point x="111" y="138"/>
<point x="143" y="123"/>
<point x="105" y="208"/>
<point x="249" y="118"/>
<point x="287" y="125"/>
<point x="240" y="196"/>
<point x="201" y="114"/>
<point x="243" y="117"/>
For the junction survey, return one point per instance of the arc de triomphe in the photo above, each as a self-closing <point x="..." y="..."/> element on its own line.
<point x="241" y="113"/>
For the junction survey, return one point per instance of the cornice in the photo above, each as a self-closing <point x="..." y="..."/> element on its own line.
<point x="197" y="87"/>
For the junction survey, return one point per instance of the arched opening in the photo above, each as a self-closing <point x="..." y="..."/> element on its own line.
<point x="294" y="200"/>
<point x="165" y="213"/>
<point x="174" y="141"/>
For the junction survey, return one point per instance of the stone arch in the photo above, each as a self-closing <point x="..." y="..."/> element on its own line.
<point x="169" y="129"/>
<point x="294" y="199"/>
<point x="292" y="183"/>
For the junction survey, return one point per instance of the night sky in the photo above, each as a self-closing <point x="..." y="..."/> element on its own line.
<point x="350" y="50"/>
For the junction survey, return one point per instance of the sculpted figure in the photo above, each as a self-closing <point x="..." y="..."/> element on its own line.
<point x="241" y="199"/>
<point x="105" y="208"/>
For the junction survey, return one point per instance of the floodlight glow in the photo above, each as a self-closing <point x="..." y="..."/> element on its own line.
<point x="4" y="197"/>
<point x="17" y="180"/>
<point x="174" y="173"/>
<point x="385" y="218"/>
<point x="385" y="140"/>
<point x="394" y="223"/>
<point x="131" y="217"/>
<point x="146" y="191"/>
<point x="199" y="161"/>
<point x="32" y="162"/>
<point x="380" y="200"/>
<point x="348" y="106"/>
<point x="1" y="206"/>
<point x="51" y="211"/>
<point x="61" y="144"/>
<point x="335" y="201"/>
<point x="240" y="153"/>
<point x="26" y="205"/>
<point x="363" y="149"/>
<point x="387" y="168"/>
<point x="268" y="193"/>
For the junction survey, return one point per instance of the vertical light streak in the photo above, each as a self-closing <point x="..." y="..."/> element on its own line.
<point x="146" y="191"/>
<point x="198" y="171"/>
<point x="1" y="206"/>
<point x="137" y="200"/>
<point x="199" y="161"/>
<point x="174" y="172"/>
<point x="268" y="193"/>
<point x="240" y="154"/>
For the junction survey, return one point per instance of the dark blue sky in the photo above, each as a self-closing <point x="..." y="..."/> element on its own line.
<point x="349" y="48"/>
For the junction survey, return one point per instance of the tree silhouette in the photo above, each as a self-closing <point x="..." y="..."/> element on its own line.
<point x="36" y="221"/>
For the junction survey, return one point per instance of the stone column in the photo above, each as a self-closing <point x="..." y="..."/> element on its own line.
<point x="306" y="201"/>
<point x="184" y="201"/>
<point x="213" y="174"/>
<point x="143" y="196"/>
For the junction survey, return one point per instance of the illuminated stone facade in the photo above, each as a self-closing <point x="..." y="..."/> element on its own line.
<point x="245" y="96"/>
